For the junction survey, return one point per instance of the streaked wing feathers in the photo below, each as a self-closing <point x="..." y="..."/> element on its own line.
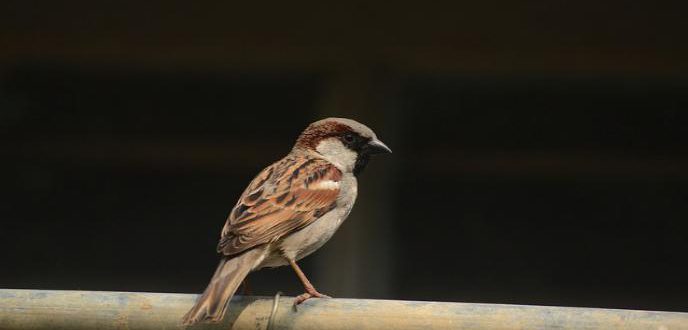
<point x="284" y="197"/>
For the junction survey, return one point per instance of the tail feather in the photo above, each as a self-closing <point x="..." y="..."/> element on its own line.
<point x="211" y="306"/>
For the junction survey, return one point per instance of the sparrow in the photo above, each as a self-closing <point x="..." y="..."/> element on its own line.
<point x="289" y="210"/>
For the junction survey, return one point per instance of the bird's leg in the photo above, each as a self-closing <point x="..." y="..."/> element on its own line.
<point x="246" y="288"/>
<point x="311" y="292"/>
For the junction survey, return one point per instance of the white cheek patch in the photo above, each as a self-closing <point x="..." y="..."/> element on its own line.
<point x="337" y="153"/>
<point x="325" y="185"/>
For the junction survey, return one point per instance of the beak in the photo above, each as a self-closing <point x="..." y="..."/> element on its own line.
<point x="376" y="146"/>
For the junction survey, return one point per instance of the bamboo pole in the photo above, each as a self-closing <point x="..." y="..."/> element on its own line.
<point x="38" y="309"/>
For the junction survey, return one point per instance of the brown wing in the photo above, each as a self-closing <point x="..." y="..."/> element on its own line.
<point x="284" y="197"/>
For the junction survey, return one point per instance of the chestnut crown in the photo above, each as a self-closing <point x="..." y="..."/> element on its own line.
<point x="352" y="134"/>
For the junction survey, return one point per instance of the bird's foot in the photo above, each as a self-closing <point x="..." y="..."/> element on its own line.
<point x="308" y="295"/>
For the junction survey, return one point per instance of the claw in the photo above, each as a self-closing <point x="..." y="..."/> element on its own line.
<point x="308" y="295"/>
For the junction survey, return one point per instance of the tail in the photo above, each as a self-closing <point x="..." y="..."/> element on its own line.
<point x="211" y="306"/>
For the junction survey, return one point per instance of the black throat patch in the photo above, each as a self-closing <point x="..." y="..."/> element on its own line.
<point x="361" y="162"/>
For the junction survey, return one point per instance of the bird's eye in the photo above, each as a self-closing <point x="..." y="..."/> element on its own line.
<point x="348" y="137"/>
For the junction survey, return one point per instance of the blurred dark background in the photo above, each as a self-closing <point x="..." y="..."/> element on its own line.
<point x="540" y="147"/>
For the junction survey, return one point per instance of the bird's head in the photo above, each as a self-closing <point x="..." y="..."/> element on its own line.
<point x="346" y="143"/>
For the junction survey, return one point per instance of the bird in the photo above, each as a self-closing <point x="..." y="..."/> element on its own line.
<point x="289" y="210"/>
